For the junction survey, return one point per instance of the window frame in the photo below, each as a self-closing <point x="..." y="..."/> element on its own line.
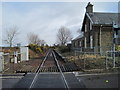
<point x="90" y="26"/>
<point x="91" y="41"/>
<point x="85" y="27"/>
<point x="85" y="42"/>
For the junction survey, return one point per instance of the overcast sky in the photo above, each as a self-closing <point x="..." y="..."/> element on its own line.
<point x="45" y="18"/>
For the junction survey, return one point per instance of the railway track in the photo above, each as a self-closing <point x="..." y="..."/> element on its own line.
<point x="52" y="68"/>
<point x="52" y="64"/>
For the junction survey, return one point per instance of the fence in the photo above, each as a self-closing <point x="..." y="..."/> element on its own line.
<point x="9" y="60"/>
<point x="101" y="50"/>
<point x="94" y="60"/>
<point x="112" y="59"/>
<point x="90" y="60"/>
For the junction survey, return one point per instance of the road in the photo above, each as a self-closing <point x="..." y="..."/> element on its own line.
<point x="90" y="81"/>
<point x="100" y="80"/>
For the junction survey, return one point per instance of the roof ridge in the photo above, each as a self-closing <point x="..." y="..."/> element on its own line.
<point x="79" y="36"/>
<point x="107" y="12"/>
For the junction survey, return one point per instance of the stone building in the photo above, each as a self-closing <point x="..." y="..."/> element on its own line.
<point x="77" y="43"/>
<point x="100" y="31"/>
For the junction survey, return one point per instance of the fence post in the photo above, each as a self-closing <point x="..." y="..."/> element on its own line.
<point x="106" y="60"/>
<point x="84" y="60"/>
<point x="114" y="56"/>
<point x="75" y="56"/>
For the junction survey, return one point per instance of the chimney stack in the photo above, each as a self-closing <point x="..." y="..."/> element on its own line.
<point x="89" y="8"/>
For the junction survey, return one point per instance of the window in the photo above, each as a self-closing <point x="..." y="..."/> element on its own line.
<point x="85" y="28"/>
<point x="90" y="26"/>
<point x="80" y="44"/>
<point x="85" y="43"/>
<point x="91" y="41"/>
<point x="75" y="44"/>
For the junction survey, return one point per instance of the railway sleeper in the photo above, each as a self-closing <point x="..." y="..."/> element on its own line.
<point x="42" y="70"/>
<point x="70" y="68"/>
<point x="54" y="69"/>
<point x="21" y="71"/>
<point x="49" y="69"/>
<point x="62" y="68"/>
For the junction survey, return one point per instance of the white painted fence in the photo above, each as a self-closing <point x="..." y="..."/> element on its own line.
<point x="1" y="62"/>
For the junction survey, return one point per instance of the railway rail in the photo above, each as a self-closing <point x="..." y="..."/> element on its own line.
<point x="57" y="68"/>
<point x="51" y="63"/>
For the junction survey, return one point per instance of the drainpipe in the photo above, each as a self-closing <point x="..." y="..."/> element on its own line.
<point x="100" y="37"/>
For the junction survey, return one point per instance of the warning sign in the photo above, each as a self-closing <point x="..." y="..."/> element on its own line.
<point x="118" y="48"/>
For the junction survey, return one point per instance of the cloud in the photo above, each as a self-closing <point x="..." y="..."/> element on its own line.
<point x="0" y="23"/>
<point x="46" y="18"/>
<point x="105" y="6"/>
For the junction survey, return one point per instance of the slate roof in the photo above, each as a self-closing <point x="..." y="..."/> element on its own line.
<point x="78" y="37"/>
<point x="98" y="18"/>
<point x="104" y="18"/>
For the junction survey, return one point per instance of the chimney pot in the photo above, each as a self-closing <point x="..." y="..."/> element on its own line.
<point x="89" y="8"/>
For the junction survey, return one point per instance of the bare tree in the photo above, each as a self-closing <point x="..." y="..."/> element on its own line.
<point x="64" y="35"/>
<point x="33" y="39"/>
<point x="11" y="35"/>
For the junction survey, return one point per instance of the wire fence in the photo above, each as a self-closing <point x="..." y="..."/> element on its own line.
<point x="94" y="60"/>
<point x="112" y="59"/>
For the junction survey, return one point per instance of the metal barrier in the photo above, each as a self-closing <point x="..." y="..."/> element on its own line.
<point x="95" y="57"/>
<point x="112" y="59"/>
<point x="94" y="60"/>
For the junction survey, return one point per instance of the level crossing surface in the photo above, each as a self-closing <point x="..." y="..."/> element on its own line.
<point x="49" y="80"/>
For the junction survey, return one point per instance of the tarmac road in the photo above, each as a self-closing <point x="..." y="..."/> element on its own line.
<point x="90" y="81"/>
<point x="101" y="81"/>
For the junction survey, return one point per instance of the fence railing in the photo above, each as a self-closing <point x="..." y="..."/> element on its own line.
<point x="94" y="60"/>
<point x="112" y="59"/>
<point x="101" y="50"/>
<point x="90" y="60"/>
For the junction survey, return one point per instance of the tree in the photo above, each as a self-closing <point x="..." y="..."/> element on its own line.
<point x="63" y="35"/>
<point x="11" y="35"/>
<point x="33" y="39"/>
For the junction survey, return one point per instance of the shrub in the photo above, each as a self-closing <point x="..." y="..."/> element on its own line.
<point x="63" y="49"/>
<point x="36" y="48"/>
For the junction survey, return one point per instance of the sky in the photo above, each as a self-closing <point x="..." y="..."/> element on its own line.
<point x="45" y="18"/>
